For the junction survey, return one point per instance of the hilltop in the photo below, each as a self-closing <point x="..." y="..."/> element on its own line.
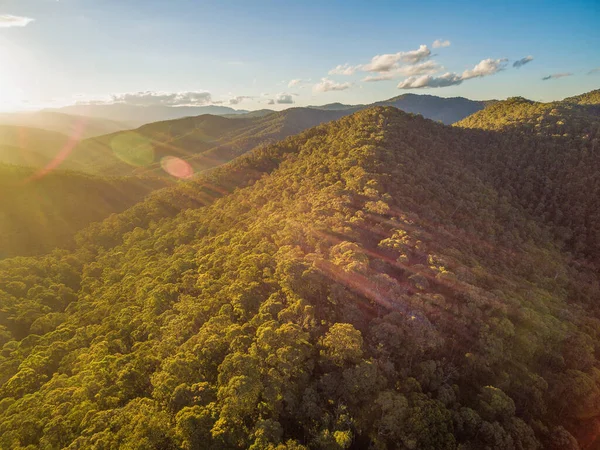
<point x="369" y="282"/>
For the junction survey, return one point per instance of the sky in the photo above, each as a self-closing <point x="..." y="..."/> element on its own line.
<point x="253" y="54"/>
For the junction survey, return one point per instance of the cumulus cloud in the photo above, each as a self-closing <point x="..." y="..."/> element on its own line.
<point x="438" y="43"/>
<point x="388" y="62"/>
<point x="327" y="85"/>
<point x="343" y="69"/>
<point x="428" y="81"/>
<point x="426" y="68"/>
<point x="152" y="98"/>
<point x="238" y="99"/>
<point x="521" y="62"/>
<point x="380" y="77"/>
<point x="8" y="21"/>
<point x="593" y="71"/>
<point x="271" y="102"/>
<point x="557" y="75"/>
<point x="284" y="99"/>
<point x="298" y="83"/>
<point x="484" y="68"/>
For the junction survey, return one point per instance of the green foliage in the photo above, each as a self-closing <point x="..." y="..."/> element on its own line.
<point x="365" y="284"/>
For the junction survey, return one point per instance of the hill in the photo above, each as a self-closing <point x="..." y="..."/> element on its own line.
<point x="66" y="124"/>
<point x="367" y="283"/>
<point x="439" y="109"/>
<point x="30" y="146"/>
<point x="589" y="98"/>
<point x="39" y="213"/>
<point x="202" y="141"/>
<point x="445" y="110"/>
<point x="555" y="177"/>
<point x="250" y="114"/>
<point x="140" y="115"/>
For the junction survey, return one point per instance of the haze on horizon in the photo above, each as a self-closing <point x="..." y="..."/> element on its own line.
<point x="254" y="55"/>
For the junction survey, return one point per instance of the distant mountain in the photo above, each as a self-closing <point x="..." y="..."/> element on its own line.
<point x="74" y="126"/>
<point x="140" y="115"/>
<point x="250" y="114"/>
<point x="445" y="110"/>
<point x="336" y="107"/>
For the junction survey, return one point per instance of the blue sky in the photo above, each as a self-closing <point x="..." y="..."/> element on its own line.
<point x="245" y="53"/>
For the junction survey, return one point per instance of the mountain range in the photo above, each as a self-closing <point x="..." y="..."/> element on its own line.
<point x="329" y="278"/>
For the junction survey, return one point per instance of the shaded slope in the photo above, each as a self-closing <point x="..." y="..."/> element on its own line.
<point x="548" y="161"/>
<point x="445" y="110"/>
<point x="359" y="284"/>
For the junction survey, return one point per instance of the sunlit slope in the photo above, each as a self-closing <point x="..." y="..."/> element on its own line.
<point x="589" y="98"/>
<point x="29" y="146"/>
<point x="526" y="116"/>
<point x="40" y="214"/>
<point x="70" y="125"/>
<point x="203" y="141"/>
<point x="363" y="283"/>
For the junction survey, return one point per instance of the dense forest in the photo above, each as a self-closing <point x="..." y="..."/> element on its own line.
<point x="381" y="281"/>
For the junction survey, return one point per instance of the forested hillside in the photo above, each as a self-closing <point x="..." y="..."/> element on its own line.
<point x="551" y="168"/>
<point x="373" y="282"/>
<point x="40" y="213"/>
<point x="203" y="141"/>
<point x="31" y="147"/>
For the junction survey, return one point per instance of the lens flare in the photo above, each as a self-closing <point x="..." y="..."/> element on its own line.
<point x="133" y="149"/>
<point x="177" y="167"/>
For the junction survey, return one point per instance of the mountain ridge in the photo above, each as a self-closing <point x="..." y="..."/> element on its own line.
<point x="360" y="282"/>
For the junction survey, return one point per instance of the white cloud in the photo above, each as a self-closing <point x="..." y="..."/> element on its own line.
<point x="271" y="102"/>
<point x="593" y="71"/>
<point x="8" y="21"/>
<point x="521" y="62"/>
<point x="438" y="43"/>
<point x="343" y="69"/>
<point x="426" y="68"/>
<point x="284" y="99"/>
<point x="557" y="75"/>
<point x="388" y="62"/>
<point x="428" y="81"/>
<point x="327" y="85"/>
<point x="298" y="83"/>
<point x="380" y="77"/>
<point x="238" y="99"/>
<point x="484" y="68"/>
<point x="152" y="98"/>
